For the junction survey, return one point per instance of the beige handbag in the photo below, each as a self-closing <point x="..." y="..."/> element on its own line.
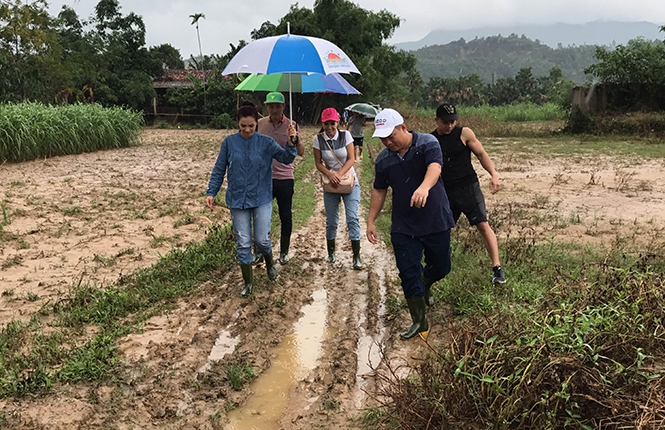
<point x="346" y="182"/>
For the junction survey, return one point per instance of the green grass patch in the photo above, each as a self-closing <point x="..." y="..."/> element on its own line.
<point x="33" y="130"/>
<point x="32" y="361"/>
<point x="516" y="112"/>
<point x="239" y="374"/>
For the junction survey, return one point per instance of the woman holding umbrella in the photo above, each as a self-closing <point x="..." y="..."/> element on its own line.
<point x="334" y="156"/>
<point x="248" y="156"/>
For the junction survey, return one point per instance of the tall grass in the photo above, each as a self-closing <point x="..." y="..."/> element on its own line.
<point x="32" y="130"/>
<point x="518" y="112"/>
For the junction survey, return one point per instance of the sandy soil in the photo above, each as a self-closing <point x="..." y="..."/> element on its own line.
<point x="94" y="217"/>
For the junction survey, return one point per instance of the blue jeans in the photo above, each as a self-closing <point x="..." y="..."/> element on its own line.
<point x="351" y="203"/>
<point x="242" y="228"/>
<point x="409" y="256"/>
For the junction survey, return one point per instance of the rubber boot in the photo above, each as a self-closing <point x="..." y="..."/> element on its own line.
<point x="284" y="249"/>
<point x="270" y="267"/>
<point x="357" y="262"/>
<point x="331" y="250"/>
<point x="429" y="297"/>
<point x="248" y="276"/>
<point x="418" y="310"/>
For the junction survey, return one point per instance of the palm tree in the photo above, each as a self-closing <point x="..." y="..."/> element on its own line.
<point x="195" y="20"/>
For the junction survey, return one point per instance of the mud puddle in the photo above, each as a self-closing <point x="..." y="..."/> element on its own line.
<point x="293" y="359"/>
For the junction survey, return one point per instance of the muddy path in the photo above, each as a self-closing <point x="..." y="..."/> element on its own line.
<point x="170" y="381"/>
<point x="200" y="364"/>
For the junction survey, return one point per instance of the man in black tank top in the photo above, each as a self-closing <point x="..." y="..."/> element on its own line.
<point x="461" y="182"/>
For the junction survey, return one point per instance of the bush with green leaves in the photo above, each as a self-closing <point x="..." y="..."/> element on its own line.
<point x="34" y="130"/>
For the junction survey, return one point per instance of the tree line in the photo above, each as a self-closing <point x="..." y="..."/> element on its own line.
<point x="104" y="59"/>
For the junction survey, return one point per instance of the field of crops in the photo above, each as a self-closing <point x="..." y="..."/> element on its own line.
<point x="33" y="130"/>
<point x="519" y="112"/>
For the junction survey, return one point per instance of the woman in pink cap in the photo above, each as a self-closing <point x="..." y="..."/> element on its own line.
<point x="334" y="155"/>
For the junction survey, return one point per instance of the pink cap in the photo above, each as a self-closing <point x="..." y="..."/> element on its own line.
<point x="329" y="114"/>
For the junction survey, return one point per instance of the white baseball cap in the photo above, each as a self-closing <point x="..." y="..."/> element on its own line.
<point x="385" y="122"/>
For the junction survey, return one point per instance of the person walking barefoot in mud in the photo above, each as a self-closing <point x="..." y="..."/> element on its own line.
<point x="411" y="164"/>
<point x="248" y="157"/>
<point x="276" y="125"/>
<point x="461" y="182"/>
<point x="334" y="156"/>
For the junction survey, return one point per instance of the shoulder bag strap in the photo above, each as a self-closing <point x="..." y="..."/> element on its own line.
<point x="331" y="150"/>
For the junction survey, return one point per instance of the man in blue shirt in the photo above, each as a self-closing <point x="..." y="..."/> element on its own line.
<point x="421" y="218"/>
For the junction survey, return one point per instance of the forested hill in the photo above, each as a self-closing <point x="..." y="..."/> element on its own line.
<point x="503" y="56"/>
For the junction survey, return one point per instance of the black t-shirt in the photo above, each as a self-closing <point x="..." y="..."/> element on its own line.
<point x="457" y="170"/>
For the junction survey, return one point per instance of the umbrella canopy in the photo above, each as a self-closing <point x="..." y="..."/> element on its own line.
<point x="312" y="83"/>
<point x="290" y="53"/>
<point x="363" y="109"/>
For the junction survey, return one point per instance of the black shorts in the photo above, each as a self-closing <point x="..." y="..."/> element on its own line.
<point x="358" y="141"/>
<point x="468" y="200"/>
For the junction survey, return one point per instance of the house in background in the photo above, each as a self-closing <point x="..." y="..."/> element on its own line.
<point x="173" y="79"/>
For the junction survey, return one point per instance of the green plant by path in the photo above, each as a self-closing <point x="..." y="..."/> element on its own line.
<point x="32" y="359"/>
<point x="573" y="339"/>
<point x="32" y="130"/>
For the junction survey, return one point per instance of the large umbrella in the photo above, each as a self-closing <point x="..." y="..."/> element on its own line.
<point x="290" y="53"/>
<point x="311" y="83"/>
<point x="363" y="109"/>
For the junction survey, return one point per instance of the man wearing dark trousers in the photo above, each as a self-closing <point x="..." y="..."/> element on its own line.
<point x="275" y="125"/>
<point x="461" y="182"/>
<point x="411" y="164"/>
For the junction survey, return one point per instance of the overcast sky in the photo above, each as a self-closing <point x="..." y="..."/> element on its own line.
<point x="228" y="21"/>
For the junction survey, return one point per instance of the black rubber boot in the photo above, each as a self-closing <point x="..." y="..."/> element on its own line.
<point x="357" y="262"/>
<point x="429" y="297"/>
<point x="258" y="258"/>
<point x="418" y="310"/>
<point x="270" y="267"/>
<point x="284" y="249"/>
<point x="331" y="250"/>
<point x="248" y="276"/>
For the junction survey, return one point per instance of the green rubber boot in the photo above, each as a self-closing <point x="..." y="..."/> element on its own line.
<point x="284" y="249"/>
<point x="357" y="262"/>
<point x="418" y="310"/>
<point x="331" y="250"/>
<point x="248" y="276"/>
<point x="270" y="267"/>
<point x="429" y="297"/>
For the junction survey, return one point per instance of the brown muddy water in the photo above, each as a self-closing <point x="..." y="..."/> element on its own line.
<point x="292" y="360"/>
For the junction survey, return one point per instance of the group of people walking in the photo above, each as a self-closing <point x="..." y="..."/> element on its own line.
<point x="432" y="179"/>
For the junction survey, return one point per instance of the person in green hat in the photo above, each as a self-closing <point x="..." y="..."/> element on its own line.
<point x="276" y="125"/>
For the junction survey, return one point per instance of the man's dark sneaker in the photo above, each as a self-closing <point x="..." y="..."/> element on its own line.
<point x="497" y="275"/>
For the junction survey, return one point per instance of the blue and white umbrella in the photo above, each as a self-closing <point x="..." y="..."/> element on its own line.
<point x="291" y="54"/>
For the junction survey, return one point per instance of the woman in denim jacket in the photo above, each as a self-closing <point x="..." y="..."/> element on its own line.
<point x="247" y="156"/>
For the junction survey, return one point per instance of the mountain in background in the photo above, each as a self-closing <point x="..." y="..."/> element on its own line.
<point x="592" y="33"/>
<point x="501" y="57"/>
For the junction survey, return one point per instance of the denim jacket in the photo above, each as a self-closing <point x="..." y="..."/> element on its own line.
<point x="249" y="164"/>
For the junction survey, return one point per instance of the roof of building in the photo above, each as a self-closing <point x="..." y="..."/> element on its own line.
<point x="179" y="78"/>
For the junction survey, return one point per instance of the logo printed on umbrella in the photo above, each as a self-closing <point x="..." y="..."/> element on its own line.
<point x="335" y="60"/>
